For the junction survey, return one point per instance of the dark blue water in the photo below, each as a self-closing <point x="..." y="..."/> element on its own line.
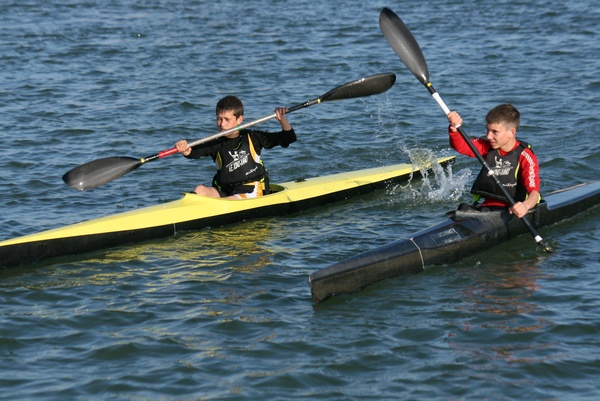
<point x="226" y="313"/>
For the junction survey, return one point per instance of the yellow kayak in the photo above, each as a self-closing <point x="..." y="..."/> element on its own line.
<point x="193" y="212"/>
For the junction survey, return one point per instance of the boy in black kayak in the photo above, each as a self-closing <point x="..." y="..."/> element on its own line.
<point x="512" y="161"/>
<point x="240" y="170"/>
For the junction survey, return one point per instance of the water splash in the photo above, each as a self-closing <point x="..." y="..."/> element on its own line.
<point x="439" y="184"/>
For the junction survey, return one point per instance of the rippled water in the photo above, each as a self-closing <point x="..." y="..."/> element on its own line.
<point x="226" y="313"/>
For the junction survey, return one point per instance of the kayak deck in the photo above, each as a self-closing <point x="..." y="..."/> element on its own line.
<point x="193" y="212"/>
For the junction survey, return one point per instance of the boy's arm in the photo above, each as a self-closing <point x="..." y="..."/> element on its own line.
<point x="456" y="140"/>
<point x="458" y="143"/>
<point x="520" y="209"/>
<point x="530" y="178"/>
<point x="280" y="112"/>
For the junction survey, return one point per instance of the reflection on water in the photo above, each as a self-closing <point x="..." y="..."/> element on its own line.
<point x="499" y="304"/>
<point x="505" y="292"/>
<point x="205" y="254"/>
<point x="210" y="255"/>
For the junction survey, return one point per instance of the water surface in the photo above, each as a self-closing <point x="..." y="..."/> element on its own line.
<point x="226" y="313"/>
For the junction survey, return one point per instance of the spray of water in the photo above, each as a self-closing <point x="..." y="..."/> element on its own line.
<point x="438" y="184"/>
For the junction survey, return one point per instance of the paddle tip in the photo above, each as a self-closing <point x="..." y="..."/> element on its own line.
<point x="404" y="44"/>
<point x="545" y="247"/>
<point x="98" y="172"/>
<point x="73" y="183"/>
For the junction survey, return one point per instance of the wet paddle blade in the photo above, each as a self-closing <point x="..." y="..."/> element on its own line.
<point x="404" y="44"/>
<point x="372" y="85"/>
<point x="98" y="172"/>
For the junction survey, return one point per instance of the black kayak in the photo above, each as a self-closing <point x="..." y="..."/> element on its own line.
<point x="461" y="235"/>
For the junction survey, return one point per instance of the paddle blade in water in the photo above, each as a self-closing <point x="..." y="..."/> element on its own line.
<point x="404" y="44"/>
<point x="98" y="172"/>
<point x="368" y="86"/>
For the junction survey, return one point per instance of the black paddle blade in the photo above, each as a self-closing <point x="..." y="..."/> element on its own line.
<point x="98" y="172"/>
<point x="368" y="86"/>
<point x="404" y="44"/>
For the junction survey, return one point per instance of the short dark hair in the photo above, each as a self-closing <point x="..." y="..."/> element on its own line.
<point x="504" y="114"/>
<point x="230" y="103"/>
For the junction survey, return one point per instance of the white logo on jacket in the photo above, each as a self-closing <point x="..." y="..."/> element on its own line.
<point x="239" y="159"/>
<point x="502" y="167"/>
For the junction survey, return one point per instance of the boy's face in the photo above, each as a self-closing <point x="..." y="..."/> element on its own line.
<point x="227" y="120"/>
<point x="501" y="136"/>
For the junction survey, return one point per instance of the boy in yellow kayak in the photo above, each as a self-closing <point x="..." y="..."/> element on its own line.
<point x="240" y="173"/>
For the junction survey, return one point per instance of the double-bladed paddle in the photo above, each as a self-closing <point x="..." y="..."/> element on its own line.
<point x="406" y="47"/>
<point x="98" y="172"/>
